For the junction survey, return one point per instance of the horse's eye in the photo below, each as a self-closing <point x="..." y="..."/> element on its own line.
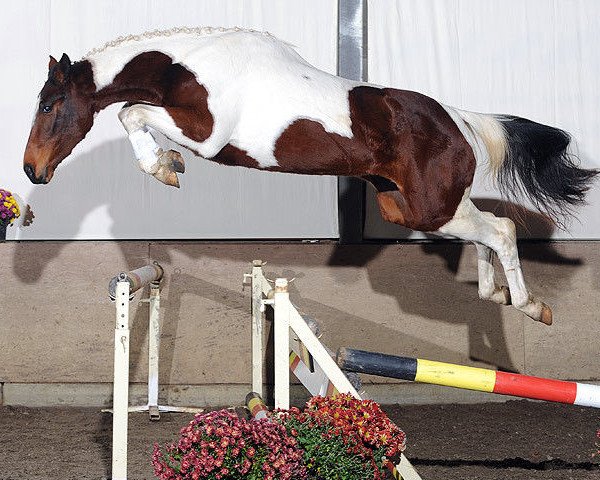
<point x="47" y="108"/>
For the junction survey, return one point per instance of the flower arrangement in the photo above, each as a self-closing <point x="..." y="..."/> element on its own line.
<point x="220" y="445"/>
<point x="9" y="208"/>
<point x="332" y="438"/>
<point x="343" y="437"/>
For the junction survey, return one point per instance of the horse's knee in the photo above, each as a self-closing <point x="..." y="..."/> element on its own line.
<point x="124" y="114"/>
<point x="131" y="118"/>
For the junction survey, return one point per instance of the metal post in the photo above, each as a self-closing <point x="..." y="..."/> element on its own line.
<point x="352" y="64"/>
<point x="282" y="343"/>
<point x="153" y="350"/>
<point x="257" y="328"/>
<point x="121" y="382"/>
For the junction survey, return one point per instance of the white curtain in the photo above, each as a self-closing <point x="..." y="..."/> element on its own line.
<point x="99" y="192"/>
<point x="537" y="59"/>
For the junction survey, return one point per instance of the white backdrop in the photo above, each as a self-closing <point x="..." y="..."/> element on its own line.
<point x="536" y="58"/>
<point x="99" y="192"/>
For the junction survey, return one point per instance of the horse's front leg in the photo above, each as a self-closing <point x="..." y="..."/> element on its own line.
<point x="152" y="159"/>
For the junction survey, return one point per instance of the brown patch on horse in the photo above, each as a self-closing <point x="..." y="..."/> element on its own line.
<point x="140" y="80"/>
<point x="402" y="136"/>
<point x="187" y="104"/>
<point x="234" y="156"/>
<point x="305" y="147"/>
<point x="152" y="77"/>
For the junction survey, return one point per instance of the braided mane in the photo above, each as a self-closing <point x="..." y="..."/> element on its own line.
<point x="197" y="31"/>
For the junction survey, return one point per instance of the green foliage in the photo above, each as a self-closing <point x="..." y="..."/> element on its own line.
<point x="327" y="456"/>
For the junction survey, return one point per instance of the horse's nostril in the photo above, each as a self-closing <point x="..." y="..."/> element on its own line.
<point x="29" y="171"/>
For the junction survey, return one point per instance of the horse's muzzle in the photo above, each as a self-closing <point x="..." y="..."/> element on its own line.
<point x="30" y="172"/>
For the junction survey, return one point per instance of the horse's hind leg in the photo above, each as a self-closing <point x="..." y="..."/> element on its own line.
<point x="499" y="235"/>
<point x="488" y="289"/>
<point x="163" y="165"/>
<point x="390" y="205"/>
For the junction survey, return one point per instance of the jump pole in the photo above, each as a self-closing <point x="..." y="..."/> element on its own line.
<point x="469" y="378"/>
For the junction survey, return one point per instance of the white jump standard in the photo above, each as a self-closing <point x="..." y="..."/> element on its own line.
<point x="121" y="289"/>
<point x="291" y="349"/>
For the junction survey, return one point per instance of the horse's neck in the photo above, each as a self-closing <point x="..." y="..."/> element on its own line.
<point x="135" y="79"/>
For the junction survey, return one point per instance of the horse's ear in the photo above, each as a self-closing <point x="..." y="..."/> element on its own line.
<point x="61" y="73"/>
<point x="52" y="62"/>
<point x="65" y="63"/>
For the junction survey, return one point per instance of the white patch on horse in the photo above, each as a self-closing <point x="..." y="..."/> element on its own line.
<point x="485" y="134"/>
<point x="256" y="87"/>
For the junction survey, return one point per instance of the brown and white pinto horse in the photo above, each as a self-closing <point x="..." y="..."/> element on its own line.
<point x="243" y="98"/>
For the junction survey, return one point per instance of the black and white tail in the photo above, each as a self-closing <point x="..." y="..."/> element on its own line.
<point x="531" y="160"/>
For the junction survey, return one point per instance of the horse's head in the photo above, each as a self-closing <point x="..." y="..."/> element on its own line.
<point x="64" y="116"/>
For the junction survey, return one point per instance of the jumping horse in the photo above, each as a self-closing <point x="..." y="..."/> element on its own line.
<point x="244" y="98"/>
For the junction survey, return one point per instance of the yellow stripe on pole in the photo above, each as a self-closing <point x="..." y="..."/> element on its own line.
<point x="459" y="376"/>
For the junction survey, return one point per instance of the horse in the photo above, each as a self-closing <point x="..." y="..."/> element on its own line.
<point x="244" y="98"/>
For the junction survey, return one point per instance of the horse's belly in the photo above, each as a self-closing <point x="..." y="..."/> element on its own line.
<point x="278" y="106"/>
<point x="307" y="147"/>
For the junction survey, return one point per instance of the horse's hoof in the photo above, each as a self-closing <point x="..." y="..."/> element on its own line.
<point x="172" y="180"/>
<point x="167" y="177"/>
<point x="546" y="315"/>
<point x="174" y="161"/>
<point x="179" y="165"/>
<point x="501" y="295"/>
<point x="536" y="310"/>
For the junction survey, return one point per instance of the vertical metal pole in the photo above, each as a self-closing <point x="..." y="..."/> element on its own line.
<point x="257" y="328"/>
<point x="352" y="64"/>
<point x="121" y="382"/>
<point x="282" y="344"/>
<point x="153" y="350"/>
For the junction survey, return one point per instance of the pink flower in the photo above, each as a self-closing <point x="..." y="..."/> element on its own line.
<point x="219" y="443"/>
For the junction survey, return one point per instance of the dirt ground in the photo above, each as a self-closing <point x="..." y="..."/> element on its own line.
<point x="516" y="440"/>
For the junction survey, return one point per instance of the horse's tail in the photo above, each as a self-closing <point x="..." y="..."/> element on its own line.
<point x="531" y="160"/>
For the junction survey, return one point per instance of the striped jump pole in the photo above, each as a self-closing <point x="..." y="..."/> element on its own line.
<point x="470" y="378"/>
